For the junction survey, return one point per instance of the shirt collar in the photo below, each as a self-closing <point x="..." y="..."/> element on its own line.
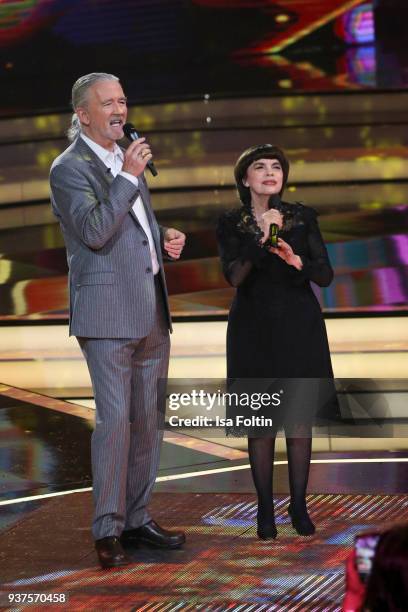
<point x="104" y="155"/>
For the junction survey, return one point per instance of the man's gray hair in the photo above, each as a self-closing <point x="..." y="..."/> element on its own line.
<point x="79" y="97"/>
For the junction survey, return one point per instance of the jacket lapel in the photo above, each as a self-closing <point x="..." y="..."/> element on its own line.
<point x="93" y="161"/>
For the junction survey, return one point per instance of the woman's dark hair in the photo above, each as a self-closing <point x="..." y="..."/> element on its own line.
<point x="387" y="587"/>
<point x="265" y="151"/>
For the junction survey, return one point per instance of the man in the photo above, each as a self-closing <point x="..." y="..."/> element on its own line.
<point x="118" y="309"/>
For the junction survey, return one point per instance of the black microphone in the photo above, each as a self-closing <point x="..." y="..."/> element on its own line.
<point x="130" y="132"/>
<point x="274" y="202"/>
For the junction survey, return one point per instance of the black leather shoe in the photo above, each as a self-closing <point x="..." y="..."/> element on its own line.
<point x="302" y="522"/>
<point x="111" y="553"/>
<point x="154" y="535"/>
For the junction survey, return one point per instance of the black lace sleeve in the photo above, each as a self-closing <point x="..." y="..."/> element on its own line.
<point x="239" y="252"/>
<point x="316" y="264"/>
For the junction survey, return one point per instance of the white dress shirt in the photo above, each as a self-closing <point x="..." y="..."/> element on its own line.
<point x="114" y="161"/>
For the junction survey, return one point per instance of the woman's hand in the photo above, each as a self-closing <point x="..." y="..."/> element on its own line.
<point x="268" y="218"/>
<point x="285" y="252"/>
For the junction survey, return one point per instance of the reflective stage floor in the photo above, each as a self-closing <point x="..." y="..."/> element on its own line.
<point x="203" y="487"/>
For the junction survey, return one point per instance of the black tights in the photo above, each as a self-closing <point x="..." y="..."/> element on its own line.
<point x="261" y="452"/>
<point x="261" y="455"/>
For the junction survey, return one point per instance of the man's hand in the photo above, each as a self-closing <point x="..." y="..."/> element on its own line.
<point x="174" y="242"/>
<point x="136" y="157"/>
<point x="285" y="252"/>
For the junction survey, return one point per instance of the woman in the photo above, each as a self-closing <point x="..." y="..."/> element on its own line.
<point x="387" y="587"/>
<point x="275" y="325"/>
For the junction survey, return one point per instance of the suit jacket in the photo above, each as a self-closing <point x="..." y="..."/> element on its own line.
<point x="111" y="283"/>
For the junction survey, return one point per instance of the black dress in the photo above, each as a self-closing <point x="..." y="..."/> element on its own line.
<point x="275" y="325"/>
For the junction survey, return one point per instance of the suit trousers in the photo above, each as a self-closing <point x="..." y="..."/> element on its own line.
<point x="128" y="382"/>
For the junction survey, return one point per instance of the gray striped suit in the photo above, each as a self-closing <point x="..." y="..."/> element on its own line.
<point x="119" y="312"/>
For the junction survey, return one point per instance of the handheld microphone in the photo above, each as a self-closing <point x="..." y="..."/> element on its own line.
<point x="130" y="132"/>
<point x="274" y="202"/>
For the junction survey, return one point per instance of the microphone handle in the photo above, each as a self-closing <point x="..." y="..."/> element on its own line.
<point x="273" y="234"/>
<point x="133" y="135"/>
<point x="152" y="167"/>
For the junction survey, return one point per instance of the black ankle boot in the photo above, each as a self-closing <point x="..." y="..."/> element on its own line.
<point x="301" y="521"/>
<point x="266" y="529"/>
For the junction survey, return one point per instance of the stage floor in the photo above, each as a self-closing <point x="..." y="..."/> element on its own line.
<point x="204" y="488"/>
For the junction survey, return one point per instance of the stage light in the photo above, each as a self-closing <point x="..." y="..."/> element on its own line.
<point x="282" y="18"/>
<point x="357" y="25"/>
